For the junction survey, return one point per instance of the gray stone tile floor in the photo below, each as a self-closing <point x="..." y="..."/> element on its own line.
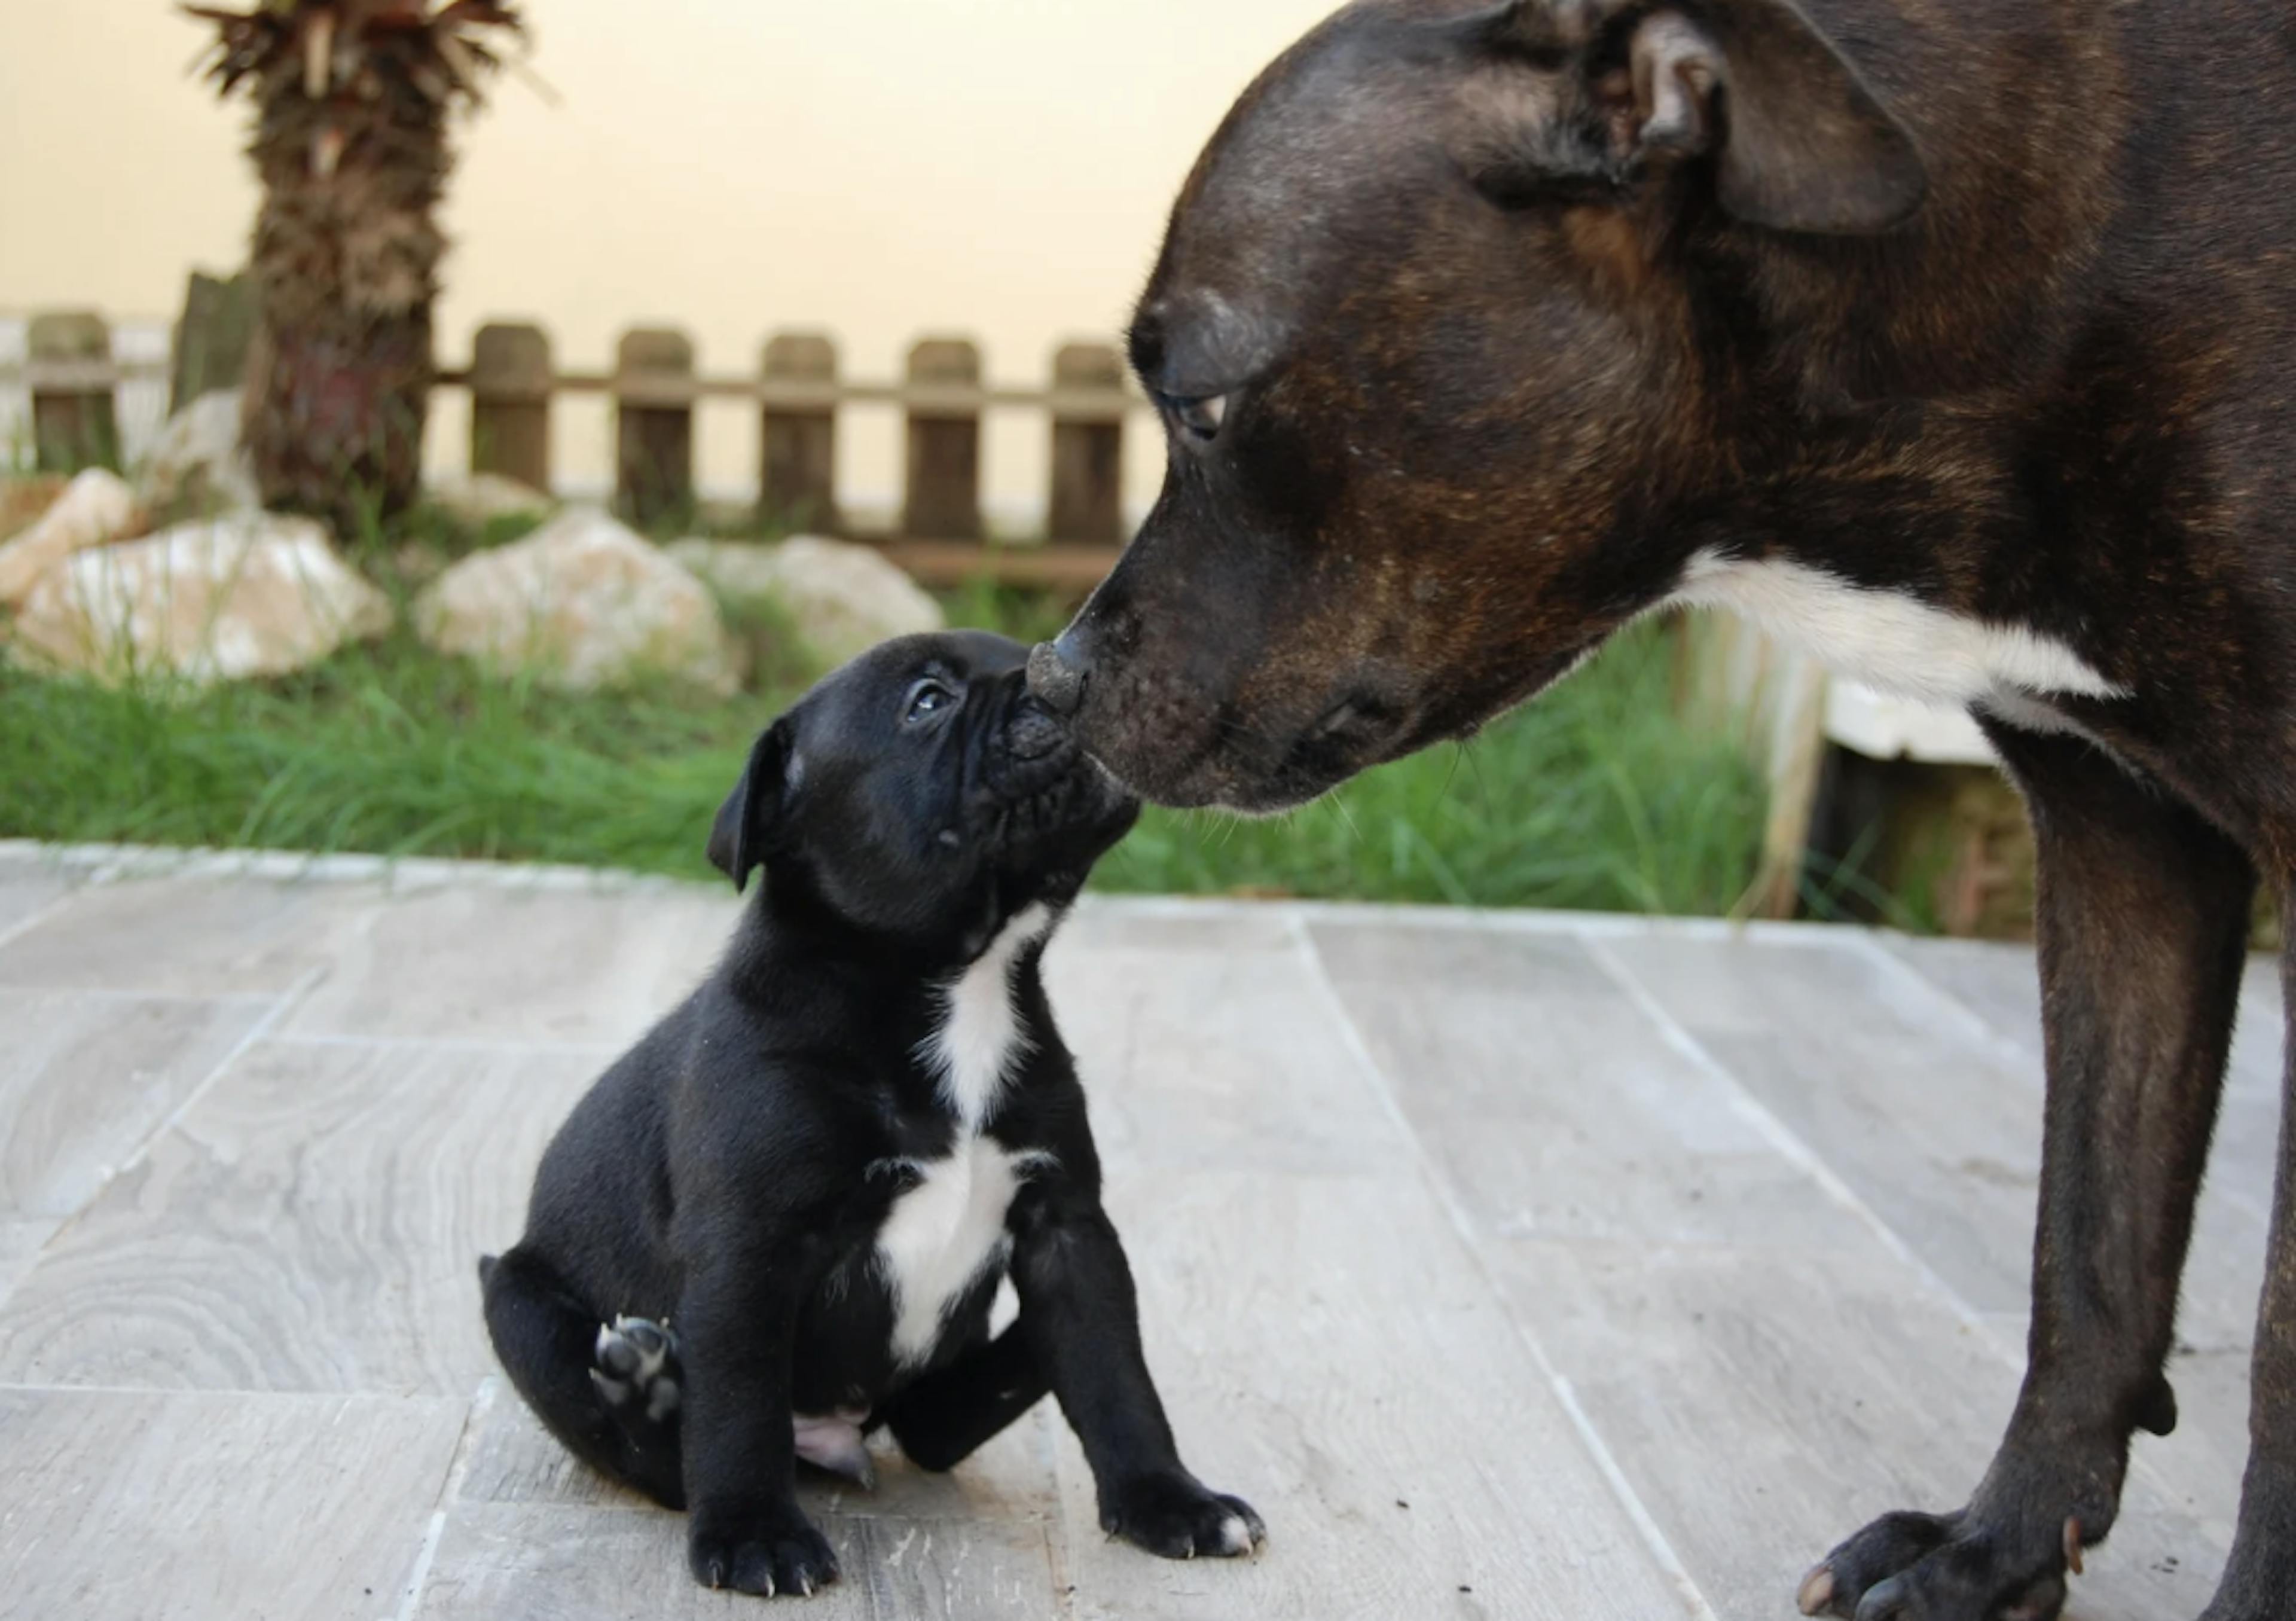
<point x="1515" y="1265"/>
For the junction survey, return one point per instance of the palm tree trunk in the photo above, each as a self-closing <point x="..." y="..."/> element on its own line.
<point x="345" y="267"/>
<point x="350" y="144"/>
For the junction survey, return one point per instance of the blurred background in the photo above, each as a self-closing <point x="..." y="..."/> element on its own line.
<point x="999" y="168"/>
<point x="801" y="327"/>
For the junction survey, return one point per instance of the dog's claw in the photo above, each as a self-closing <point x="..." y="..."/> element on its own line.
<point x="1816" y="1590"/>
<point x="2073" y="1545"/>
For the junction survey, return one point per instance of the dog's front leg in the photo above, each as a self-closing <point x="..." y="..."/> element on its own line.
<point x="737" y="1321"/>
<point x="2259" y="1578"/>
<point x="1081" y="1320"/>
<point x="2144" y="912"/>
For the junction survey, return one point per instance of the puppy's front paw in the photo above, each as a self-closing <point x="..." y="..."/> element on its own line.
<point x="784" y="1557"/>
<point x="1176" y="1514"/>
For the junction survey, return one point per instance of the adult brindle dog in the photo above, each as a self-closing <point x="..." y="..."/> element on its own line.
<point x="1954" y="337"/>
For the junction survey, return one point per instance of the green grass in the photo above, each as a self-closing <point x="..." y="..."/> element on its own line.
<point x="1593" y="797"/>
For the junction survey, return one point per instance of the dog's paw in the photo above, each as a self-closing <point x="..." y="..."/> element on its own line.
<point x="636" y="1369"/>
<point x="1941" y="1567"/>
<point x="788" y="1556"/>
<point x="1176" y="1514"/>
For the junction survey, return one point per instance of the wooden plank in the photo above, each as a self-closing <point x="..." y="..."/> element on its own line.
<point x="119" y="1507"/>
<point x="1998" y="984"/>
<point x="1322" y="1340"/>
<point x="1767" y="1372"/>
<point x="791" y="393"/>
<point x="494" y="962"/>
<point x="2001" y="985"/>
<point x="535" y="1563"/>
<point x="313" y="1223"/>
<point x="184" y="936"/>
<point x="510" y="402"/>
<point x="86" y="1078"/>
<point x="1071" y="569"/>
<point x="29" y="887"/>
<point x="1552" y="1105"/>
<point x="1767" y="1403"/>
<point x="1934" y="1123"/>
<point x="20" y="1241"/>
<point x="1329" y="1350"/>
<point x="1206" y="1044"/>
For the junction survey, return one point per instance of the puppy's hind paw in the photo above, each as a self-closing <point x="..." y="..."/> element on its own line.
<point x="635" y="1370"/>
<point x="1176" y="1516"/>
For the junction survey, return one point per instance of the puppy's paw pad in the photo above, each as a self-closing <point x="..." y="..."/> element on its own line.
<point x="635" y="1368"/>
<point x="1176" y="1516"/>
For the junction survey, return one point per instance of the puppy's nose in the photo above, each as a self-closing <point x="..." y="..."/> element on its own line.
<point x="1056" y="677"/>
<point x="1035" y="732"/>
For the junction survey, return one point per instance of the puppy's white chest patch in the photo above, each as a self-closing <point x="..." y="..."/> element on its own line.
<point x="1890" y="641"/>
<point x="942" y="1234"/>
<point x="979" y="1035"/>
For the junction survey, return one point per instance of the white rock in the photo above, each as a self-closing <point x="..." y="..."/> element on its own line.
<point x="581" y="602"/>
<point x="842" y="599"/>
<point x="95" y="507"/>
<point x="252" y="594"/>
<point x="198" y="461"/>
<point x="478" y="499"/>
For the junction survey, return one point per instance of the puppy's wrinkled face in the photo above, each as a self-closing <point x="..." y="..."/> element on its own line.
<point x="920" y="792"/>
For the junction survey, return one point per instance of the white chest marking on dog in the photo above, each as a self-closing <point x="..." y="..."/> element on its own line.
<point x="980" y="1033"/>
<point x="1889" y="640"/>
<point x="943" y="1234"/>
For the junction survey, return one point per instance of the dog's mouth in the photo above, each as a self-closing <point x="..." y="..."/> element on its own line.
<point x="1043" y="788"/>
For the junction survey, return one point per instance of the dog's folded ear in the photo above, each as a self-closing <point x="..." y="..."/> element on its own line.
<point x="747" y="822"/>
<point x="1797" y="139"/>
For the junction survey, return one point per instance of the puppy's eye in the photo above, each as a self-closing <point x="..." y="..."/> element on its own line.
<point x="1199" y="415"/>
<point x="927" y="697"/>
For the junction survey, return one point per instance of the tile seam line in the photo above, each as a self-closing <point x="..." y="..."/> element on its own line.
<point x="450" y="1492"/>
<point x="1789" y="1143"/>
<point x="37" y="916"/>
<point x="1598" y="1452"/>
<point x="281" y="1006"/>
<point x="259" y="1030"/>
<point x="109" y="863"/>
<point x="1976" y="1025"/>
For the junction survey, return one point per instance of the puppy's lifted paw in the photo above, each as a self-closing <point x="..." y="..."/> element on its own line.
<point x="635" y="1370"/>
<point x="786" y="1555"/>
<point x="1176" y="1516"/>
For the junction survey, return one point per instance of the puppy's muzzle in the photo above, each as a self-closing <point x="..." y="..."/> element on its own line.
<point x="1036" y="735"/>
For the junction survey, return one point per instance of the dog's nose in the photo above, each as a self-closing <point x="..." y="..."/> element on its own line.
<point x="1036" y="733"/>
<point x="1056" y="677"/>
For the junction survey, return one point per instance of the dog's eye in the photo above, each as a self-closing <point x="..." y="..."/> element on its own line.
<point x="926" y="698"/>
<point x="1200" y="416"/>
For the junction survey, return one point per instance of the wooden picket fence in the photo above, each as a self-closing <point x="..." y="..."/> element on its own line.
<point x="799" y="391"/>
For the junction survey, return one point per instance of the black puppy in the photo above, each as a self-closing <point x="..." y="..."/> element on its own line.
<point x="781" y="1218"/>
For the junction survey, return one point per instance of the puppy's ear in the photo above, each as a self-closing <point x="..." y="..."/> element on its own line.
<point x="752" y="812"/>
<point x="1797" y="139"/>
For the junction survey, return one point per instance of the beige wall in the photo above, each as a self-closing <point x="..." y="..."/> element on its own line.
<point x="881" y="168"/>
